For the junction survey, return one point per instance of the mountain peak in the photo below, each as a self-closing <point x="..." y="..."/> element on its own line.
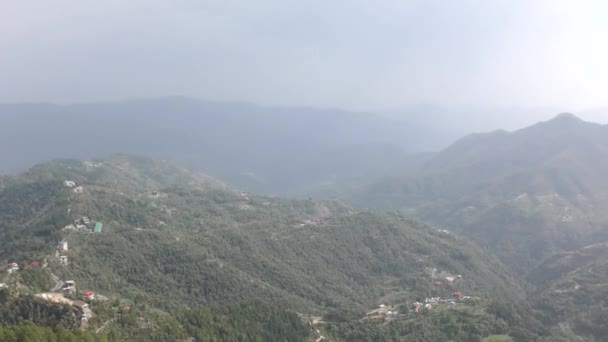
<point x="566" y="117"/>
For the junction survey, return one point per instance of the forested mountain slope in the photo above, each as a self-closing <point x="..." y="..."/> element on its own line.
<point x="525" y="194"/>
<point x="174" y="240"/>
<point x="572" y="292"/>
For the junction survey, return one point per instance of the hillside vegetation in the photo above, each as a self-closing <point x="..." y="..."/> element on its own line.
<point x="572" y="292"/>
<point x="176" y="241"/>
<point x="526" y="194"/>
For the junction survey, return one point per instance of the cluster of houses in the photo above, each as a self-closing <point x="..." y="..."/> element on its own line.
<point x="438" y="278"/>
<point x="62" y="248"/>
<point x="58" y="298"/>
<point x="71" y="184"/>
<point x="83" y="224"/>
<point x="14" y="267"/>
<point x="456" y="298"/>
<point x="89" y="164"/>
<point x="386" y="312"/>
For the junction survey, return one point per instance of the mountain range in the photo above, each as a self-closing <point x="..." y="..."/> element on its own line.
<point x="514" y="220"/>
<point x="273" y="150"/>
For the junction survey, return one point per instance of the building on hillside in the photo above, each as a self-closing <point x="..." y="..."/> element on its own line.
<point x="83" y="220"/>
<point x="13" y="267"/>
<point x="78" y="190"/>
<point x="69" y="227"/>
<point x="432" y="300"/>
<point x="416" y="306"/>
<point x="63" y="260"/>
<point x="69" y="286"/>
<point x="3" y="286"/>
<point x="35" y="263"/>
<point x="98" y="227"/>
<point x="88" y="295"/>
<point x="69" y="183"/>
<point x="62" y="246"/>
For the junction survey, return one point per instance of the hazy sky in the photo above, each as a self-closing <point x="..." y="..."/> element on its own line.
<point x="346" y="53"/>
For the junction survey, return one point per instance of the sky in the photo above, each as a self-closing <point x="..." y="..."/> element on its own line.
<point x="353" y="54"/>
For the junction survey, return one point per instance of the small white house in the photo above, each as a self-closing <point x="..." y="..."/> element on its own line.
<point x="69" y="227"/>
<point x="13" y="267"/>
<point x="69" y="286"/>
<point x="62" y="246"/>
<point x="69" y="183"/>
<point x="63" y="260"/>
<point x="3" y="286"/>
<point x="78" y="190"/>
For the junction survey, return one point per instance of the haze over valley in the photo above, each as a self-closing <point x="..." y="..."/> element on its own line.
<point x="303" y="171"/>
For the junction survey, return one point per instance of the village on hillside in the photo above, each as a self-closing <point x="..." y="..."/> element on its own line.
<point x="442" y="282"/>
<point x="66" y="291"/>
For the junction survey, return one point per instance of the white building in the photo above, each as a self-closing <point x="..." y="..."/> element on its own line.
<point x="13" y="267"/>
<point x="69" y="286"/>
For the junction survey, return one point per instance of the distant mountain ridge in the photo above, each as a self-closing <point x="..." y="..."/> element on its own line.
<point x="276" y="150"/>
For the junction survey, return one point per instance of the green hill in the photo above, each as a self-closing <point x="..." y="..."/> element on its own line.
<point x="173" y="240"/>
